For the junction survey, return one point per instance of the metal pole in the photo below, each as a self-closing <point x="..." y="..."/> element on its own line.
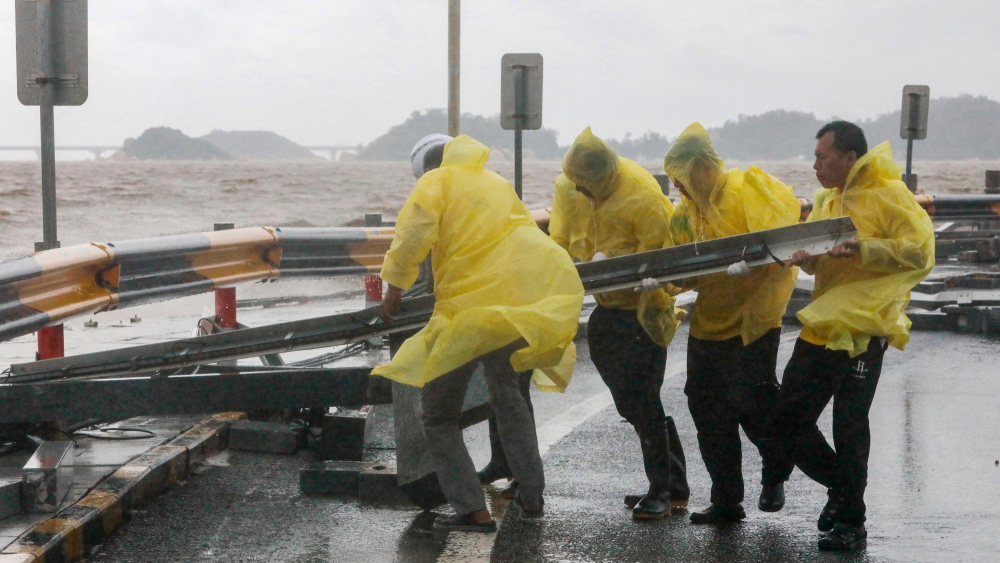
<point x="51" y="340"/>
<point x="520" y="113"/>
<point x="225" y="298"/>
<point x="454" y="37"/>
<point x="48" y="143"/>
<point x="913" y="121"/>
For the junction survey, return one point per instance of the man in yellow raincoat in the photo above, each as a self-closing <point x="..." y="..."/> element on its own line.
<point x="629" y="331"/>
<point x="862" y="288"/>
<point x="506" y="297"/>
<point x="736" y="327"/>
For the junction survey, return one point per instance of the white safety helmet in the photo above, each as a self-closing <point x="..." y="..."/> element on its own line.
<point x="420" y="151"/>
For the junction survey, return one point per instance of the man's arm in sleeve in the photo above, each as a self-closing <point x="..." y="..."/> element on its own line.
<point x="417" y="229"/>
<point x="909" y="240"/>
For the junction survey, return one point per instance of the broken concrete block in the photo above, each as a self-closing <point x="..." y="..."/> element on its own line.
<point x="47" y="477"/>
<point x="968" y="256"/>
<point x="266" y="437"/>
<point x="988" y="250"/>
<point x="343" y="436"/>
<point x="10" y="498"/>
<point x="378" y="484"/>
<point x="333" y="477"/>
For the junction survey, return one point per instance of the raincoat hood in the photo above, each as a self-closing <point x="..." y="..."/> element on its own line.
<point x="592" y="164"/>
<point x="465" y="152"/>
<point x="876" y="164"/>
<point x="420" y="151"/>
<point x="692" y="161"/>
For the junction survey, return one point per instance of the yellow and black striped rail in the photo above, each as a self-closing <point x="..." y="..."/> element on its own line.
<point x="52" y="286"/>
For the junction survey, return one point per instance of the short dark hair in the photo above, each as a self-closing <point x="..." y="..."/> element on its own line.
<point x="847" y="137"/>
<point x="433" y="157"/>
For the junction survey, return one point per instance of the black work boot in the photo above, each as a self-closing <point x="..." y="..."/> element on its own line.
<point x="830" y="512"/>
<point x="843" y="536"/>
<point x="772" y="497"/>
<point x="497" y="468"/>
<point x="656" y="459"/>
<point x="679" y="490"/>
<point x="719" y="514"/>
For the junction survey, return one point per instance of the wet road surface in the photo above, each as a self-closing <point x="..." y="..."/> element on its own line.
<point x="933" y="493"/>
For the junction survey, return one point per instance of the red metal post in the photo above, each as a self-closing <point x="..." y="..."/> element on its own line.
<point x="225" y="307"/>
<point x="225" y="298"/>
<point x="373" y="289"/>
<point x="50" y="343"/>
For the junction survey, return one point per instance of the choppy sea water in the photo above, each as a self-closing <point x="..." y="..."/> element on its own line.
<point x="103" y="201"/>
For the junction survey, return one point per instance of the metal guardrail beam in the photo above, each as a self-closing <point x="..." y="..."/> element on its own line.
<point x="616" y="273"/>
<point x="184" y="394"/>
<point x="52" y="286"/>
<point x="250" y="342"/>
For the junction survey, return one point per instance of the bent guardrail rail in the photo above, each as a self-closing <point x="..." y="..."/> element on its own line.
<point x="52" y="286"/>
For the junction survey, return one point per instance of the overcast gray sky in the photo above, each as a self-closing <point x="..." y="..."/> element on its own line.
<point x="344" y="71"/>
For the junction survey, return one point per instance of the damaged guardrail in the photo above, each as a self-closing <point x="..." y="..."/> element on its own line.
<point x="52" y="286"/>
<point x="49" y="287"/>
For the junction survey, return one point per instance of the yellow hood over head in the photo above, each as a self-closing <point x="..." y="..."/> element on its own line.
<point x="592" y="164"/>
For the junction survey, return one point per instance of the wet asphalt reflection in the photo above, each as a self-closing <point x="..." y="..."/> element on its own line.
<point x="933" y="493"/>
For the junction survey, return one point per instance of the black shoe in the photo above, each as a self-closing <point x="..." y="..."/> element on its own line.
<point x="653" y="506"/>
<point x="494" y="471"/>
<point x="826" y="518"/>
<point x="511" y="491"/>
<point x="843" y="536"/>
<point x="632" y="500"/>
<point x="772" y="497"/>
<point x="719" y="514"/>
<point x="529" y="513"/>
<point x="463" y="523"/>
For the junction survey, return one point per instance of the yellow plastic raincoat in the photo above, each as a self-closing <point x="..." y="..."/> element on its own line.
<point x="571" y="220"/>
<point x="865" y="295"/>
<point x="725" y="203"/>
<point x="497" y="277"/>
<point x="630" y="215"/>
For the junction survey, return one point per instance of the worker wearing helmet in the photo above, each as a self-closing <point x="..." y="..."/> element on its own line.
<point x="506" y="298"/>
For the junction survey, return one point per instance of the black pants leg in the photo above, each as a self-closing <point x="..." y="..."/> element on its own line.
<point x="497" y="456"/>
<point x="731" y="385"/>
<point x="815" y="375"/>
<point x="633" y="366"/>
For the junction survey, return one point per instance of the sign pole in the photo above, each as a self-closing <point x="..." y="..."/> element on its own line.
<point x="51" y="340"/>
<point x="520" y="103"/>
<point x="454" y="76"/>
<point x="911" y="129"/>
<point x="521" y="111"/>
<point x="47" y="82"/>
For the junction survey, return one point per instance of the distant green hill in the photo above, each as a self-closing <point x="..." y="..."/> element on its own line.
<point x="958" y="128"/>
<point x="258" y="145"/>
<point x="164" y="143"/>
<point x="397" y="143"/>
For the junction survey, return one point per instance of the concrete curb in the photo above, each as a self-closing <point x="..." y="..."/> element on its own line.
<point x="71" y="532"/>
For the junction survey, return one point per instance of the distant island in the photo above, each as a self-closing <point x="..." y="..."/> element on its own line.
<point x="164" y="143"/>
<point x="959" y="128"/>
<point x="397" y="143"/>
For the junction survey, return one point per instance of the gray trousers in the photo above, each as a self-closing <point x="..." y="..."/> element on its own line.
<point x="442" y="401"/>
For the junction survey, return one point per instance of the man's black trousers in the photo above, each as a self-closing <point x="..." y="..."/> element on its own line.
<point x="730" y="385"/>
<point x="633" y="366"/>
<point x="814" y="375"/>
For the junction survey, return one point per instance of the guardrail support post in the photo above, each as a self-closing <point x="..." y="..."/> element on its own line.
<point x="50" y="343"/>
<point x="225" y="298"/>
<point x="373" y="282"/>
